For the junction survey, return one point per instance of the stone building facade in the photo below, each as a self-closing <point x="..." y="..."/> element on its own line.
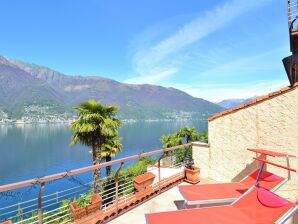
<point x="269" y="122"/>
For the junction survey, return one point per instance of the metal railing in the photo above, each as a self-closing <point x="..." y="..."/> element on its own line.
<point x="51" y="203"/>
<point x="54" y="207"/>
<point x="292" y="12"/>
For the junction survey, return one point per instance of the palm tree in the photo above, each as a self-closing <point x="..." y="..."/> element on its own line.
<point x="190" y="134"/>
<point x="95" y="123"/>
<point x="171" y="140"/>
<point x="110" y="149"/>
<point x="184" y="135"/>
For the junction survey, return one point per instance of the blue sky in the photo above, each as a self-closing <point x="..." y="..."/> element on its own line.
<point x="211" y="49"/>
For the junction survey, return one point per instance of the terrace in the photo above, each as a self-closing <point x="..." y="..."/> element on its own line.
<point x="160" y="203"/>
<point x="225" y="159"/>
<point x="123" y="201"/>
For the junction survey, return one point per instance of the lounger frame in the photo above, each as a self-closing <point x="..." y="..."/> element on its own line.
<point x="288" y="214"/>
<point x="198" y="203"/>
<point x="226" y="200"/>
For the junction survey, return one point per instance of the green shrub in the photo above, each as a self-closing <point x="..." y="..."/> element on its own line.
<point x="182" y="136"/>
<point x="84" y="200"/>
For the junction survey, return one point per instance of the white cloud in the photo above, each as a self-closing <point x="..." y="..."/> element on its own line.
<point x="157" y="57"/>
<point x="157" y="63"/>
<point x="216" y="93"/>
<point x="154" y="78"/>
<point x="264" y="64"/>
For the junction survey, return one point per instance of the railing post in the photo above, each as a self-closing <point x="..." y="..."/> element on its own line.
<point x="117" y="186"/>
<point x="289" y="13"/>
<point x="159" y="176"/>
<point x="19" y="208"/>
<point x="186" y="150"/>
<point x="40" y="203"/>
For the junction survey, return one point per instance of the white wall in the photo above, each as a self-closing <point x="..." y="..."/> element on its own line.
<point x="271" y="124"/>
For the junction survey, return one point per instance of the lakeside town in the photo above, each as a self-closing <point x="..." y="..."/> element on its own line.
<point x="35" y="114"/>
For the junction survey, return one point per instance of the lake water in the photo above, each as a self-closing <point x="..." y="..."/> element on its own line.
<point x="30" y="151"/>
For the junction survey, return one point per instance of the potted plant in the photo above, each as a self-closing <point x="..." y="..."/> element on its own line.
<point x="142" y="185"/>
<point x="86" y="204"/>
<point x="95" y="204"/>
<point x="191" y="172"/>
<point x="77" y="209"/>
<point x="141" y="182"/>
<point x="6" y="222"/>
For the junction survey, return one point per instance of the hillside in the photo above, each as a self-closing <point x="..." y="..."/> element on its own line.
<point x="23" y="84"/>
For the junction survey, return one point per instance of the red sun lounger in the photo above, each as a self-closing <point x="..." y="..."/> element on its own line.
<point x="203" y="194"/>
<point x="206" y="194"/>
<point x="256" y="206"/>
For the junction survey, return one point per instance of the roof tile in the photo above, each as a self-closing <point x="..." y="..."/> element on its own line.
<point x="253" y="102"/>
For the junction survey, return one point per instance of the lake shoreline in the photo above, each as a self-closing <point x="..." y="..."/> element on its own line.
<point x="68" y="122"/>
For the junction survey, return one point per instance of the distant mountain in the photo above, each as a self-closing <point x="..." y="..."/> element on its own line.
<point x="23" y="84"/>
<point x="19" y="88"/>
<point x="230" y="103"/>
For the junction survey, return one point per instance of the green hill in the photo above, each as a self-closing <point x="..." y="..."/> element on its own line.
<point x="23" y="84"/>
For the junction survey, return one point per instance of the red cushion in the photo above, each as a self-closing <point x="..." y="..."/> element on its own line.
<point x="270" y="199"/>
<point x="272" y="178"/>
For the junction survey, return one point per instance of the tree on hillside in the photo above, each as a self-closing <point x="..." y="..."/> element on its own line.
<point x="95" y="124"/>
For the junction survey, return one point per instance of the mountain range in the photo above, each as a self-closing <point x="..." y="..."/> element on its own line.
<point x="24" y="84"/>
<point x="230" y="103"/>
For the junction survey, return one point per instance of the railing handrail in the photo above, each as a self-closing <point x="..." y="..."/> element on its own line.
<point x="292" y="12"/>
<point x="57" y="176"/>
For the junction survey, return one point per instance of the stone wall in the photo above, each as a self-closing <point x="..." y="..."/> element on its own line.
<point x="201" y="152"/>
<point x="271" y="124"/>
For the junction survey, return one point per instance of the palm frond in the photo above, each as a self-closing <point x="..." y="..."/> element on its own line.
<point x="94" y="123"/>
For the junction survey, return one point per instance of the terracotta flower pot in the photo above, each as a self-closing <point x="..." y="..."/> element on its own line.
<point x="192" y="175"/>
<point x="143" y="181"/>
<point x="6" y="222"/>
<point x="77" y="212"/>
<point x="144" y="193"/>
<point x="95" y="205"/>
